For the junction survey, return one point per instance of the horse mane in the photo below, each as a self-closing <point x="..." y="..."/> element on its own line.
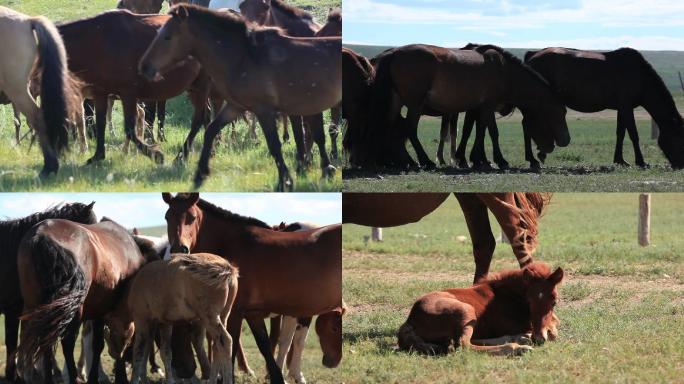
<point x="221" y="22"/>
<point x="512" y="58"/>
<point x="291" y="10"/>
<point x="206" y="206"/>
<point x="335" y="15"/>
<point x="538" y="270"/>
<point x="214" y="272"/>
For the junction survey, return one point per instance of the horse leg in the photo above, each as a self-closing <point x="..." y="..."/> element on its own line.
<point x="141" y="350"/>
<point x="227" y="114"/>
<point x="275" y="331"/>
<point x="11" y="338"/>
<point x="17" y="122"/>
<point x="507" y="349"/>
<point x="460" y="155"/>
<point x="130" y="108"/>
<point x="298" y="343"/>
<point x="101" y="105"/>
<point x="529" y="155"/>
<point x="523" y="339"/>
<point x="453" y="133"/>
<point x="110" y="122"/>
<point x="478" y="156"/>
<point x="477" y="220"/>
<point x="198" y="117"/>
<point x="164" y="349"/>
<point x="222" y="347"/>
<point x="626" y="119"/>
<point x="161" y="118"/>
<point x="258" y="327"/>
<point x="316" y="126"/>
<point x="334" y="129"/>
<point x="81" y="130"/>
<point x="47" y="365"/>
<point x="68" y="343"/>
<point x="443" y="132"/>
<point x="286" y="133"/>
<point x="494" y="135"/>
<point x="412" y="119"/>
<point x="267" y="120"/>
<point x="140" y="126"/>
<point x="98" y="346"/>
<point x="298" y="133"/>
<point x="150" y="112"/>
<point x="287" y="331"/>
<point x="619" y="139"/>
<point x="198" y="334"/>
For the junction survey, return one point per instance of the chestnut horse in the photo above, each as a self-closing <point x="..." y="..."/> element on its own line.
<point x="450" y="81"/>
<point x="517" y="214"/>
<point x="11" y="304"/>
<point x="68" y="273"/>
<point x="31" y="40"/>
<point x="201" y="288"/>
<point x="504" y="307"/>
<point x="104" y="52"/>
<point x="253" y="69"/>
<point x="278" y="270"/>
<point x="621" y="80"/>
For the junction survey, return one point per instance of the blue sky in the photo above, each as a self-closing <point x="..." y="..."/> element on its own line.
<point x="583" y="24"/>
<point x="147" y="209"/>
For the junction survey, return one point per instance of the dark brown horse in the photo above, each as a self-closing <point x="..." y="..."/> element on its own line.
<point x="104" y="52"/>
<point x="358" y="74"/>
<point x="517" y="214"/>
<point x="487" y="79"/>
<point x="141" y="6"/>
<point x="255" y="69"/>
<point x="493" y="316"/>
<point x="621" y="80"/>
<point x="278" y="270"/>
<point x="68" y="273"/>
<point x="11" y="304"/>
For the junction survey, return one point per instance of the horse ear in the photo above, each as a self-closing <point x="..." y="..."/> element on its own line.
<point x="135" y="231"/>
<point x="528" y="276"/>
<point x="181" y="12"/>
<point x="556" y="277"/>
<point x="167" y="197"/>
<point x="90" y="206"/>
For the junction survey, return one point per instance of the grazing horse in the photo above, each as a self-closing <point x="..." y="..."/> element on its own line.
<point x="517" y="214"/>
<point x="253" y="68"/>
<point x="68" y="273"/>
<point x="504" y="307"/>
<point x="201" y="288"/>
<point x="621" y="80"/>
<point x="489" y="79"/>
<point x="271" y="263"/>
<point x="11" y="304"/>
<point x="31" y="40"/>
<point x="104" y="52"/>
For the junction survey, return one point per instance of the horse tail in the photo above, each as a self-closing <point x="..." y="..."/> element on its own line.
<point x="531" y="206"/>
<point x="63" y="291"/>
<point x="409" y="340"/>
<point x="214" y="271"/>
<point x="52" y="64"/>
<point x="381" y="95"/>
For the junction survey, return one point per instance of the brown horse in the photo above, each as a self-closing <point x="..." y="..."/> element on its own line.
<point x="504" y="307"/>
<point x="252" y="69"/>
<point x="31" y="40"/>
<point x="517" y="214"/>
<point x="358" y="74"/>
<point x="68" y="273"/>
<point x="11" y="304"/>
<point x="141" y="6"/>
<point x="621" y="80"/>
<point x="278" y="270"/>
<point x="450" y="81"/>
<point x="201" y="289"/>
<point x="104" y="52"/>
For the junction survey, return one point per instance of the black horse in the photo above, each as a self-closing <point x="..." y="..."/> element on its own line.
<point x="622" y="80"/>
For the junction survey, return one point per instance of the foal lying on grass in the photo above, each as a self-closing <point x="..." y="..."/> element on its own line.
<point x="198" y="288"/>
<point x="494" y="315"/>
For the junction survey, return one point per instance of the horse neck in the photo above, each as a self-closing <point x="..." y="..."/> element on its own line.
<point x="203" y="48"/>
<point x="659" y="103"/>
<point x="526" y="89"/>
<point x="217" y="235"/>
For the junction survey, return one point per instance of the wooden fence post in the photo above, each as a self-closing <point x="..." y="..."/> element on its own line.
<point x="376" y="234"/>
<point x="644" y="228"/>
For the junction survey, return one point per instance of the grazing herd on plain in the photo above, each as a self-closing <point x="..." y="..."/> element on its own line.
<point x="271" y="59"/>
<point x="61" y="268"/>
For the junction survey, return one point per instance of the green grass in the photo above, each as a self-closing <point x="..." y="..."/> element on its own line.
<point x="585" y="165"/>
<point x="621" y="305"/>
<point x="243" y="165"/>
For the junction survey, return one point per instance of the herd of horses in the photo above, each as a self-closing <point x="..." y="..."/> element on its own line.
<point x="62" y="268"/>
<point x="266" y="57"/>
<point x="482" y="80"/>
<point x="501" y="314"/>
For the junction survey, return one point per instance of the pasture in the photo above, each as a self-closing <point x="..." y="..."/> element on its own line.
<point x="240" y="162"/>
<point x="312" y="368"/>
<point x="621" y="306"/>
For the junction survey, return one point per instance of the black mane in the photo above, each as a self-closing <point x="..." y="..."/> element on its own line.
<point x="206" y="206"/>
<point x="221" y="22"/>
<point x="510" y="57"/>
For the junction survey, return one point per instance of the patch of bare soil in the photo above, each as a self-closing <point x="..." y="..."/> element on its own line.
<point x="637" y="288"/>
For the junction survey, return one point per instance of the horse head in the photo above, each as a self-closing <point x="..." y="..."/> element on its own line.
<point x="541" y="293"/>
<point x="255" y="11"/>
<point x="183" y="221"/>
<point x="329" y="331"/>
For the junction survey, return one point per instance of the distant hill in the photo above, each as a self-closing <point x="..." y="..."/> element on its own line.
<point x="666" y="63"/>
<point x="153" y="231"/>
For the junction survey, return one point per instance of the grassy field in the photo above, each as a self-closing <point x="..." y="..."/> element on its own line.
<point x="240" y="165"/>
<point x="585" y="165"/>
<point x="621" y="306"/>
<point x="312" y="368"/>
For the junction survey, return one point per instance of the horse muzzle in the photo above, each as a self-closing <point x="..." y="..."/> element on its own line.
<point x="150" y="73"/>
<point x="330" y="361"/>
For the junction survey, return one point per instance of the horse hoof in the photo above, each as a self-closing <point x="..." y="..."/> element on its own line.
<point x="429" y="165"/>
<point x="519" y="350"/>
<point x="643" y="165"/>
<point x="158" y="157"/>
<point x="503" y="165"/>
<point x="622" y="163"/>
<point x="94" y="159"/>
<point x="535" y="166"/>
<point x="199" y="180"/>
<point x="463" y="164"/>
<point x="329" y="171"/>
